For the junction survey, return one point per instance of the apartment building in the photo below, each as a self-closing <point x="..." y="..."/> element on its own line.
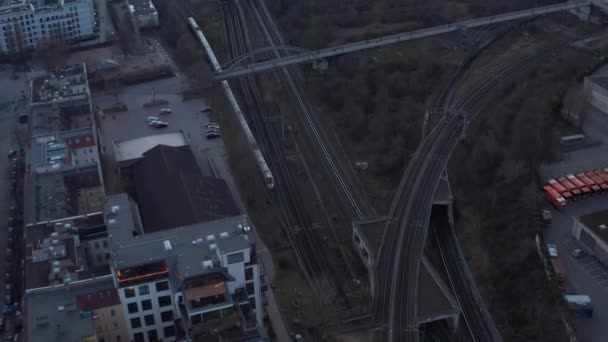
<point x="187" y="282"/>
<point x="24" y="23"/>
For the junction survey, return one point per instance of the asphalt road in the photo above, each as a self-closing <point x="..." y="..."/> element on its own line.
<point x="11" y="92"/>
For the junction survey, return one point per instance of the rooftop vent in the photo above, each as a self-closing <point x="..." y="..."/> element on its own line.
<point x="197" y="241"/>
<point x="111" y="221"/>
<point x="207" y="264"/>
<point x="210" y="237"/>
<point x="224" y="235"/>
<point x="167" y="244"/>
<point x="115" y="209"/>
<point x="212" y="246"/>
<point x="602" y="227"/>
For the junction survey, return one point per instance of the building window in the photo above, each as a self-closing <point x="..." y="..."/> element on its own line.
<point x="146" y="305"/>
<point x="162" y="286"/>
<point x="211" y="315"/>
<point x="250" y="288"/>
<point x="115" y="325"/>
<point x="249" y="273"/>
<point x="152" y="336"/>
<point x="112" y="312"/>
<point x="96" y="244"/>
<point x="195" y="319"/>
<point x="149" y="319"/>
<point x="135" y="323"/>
<point x="139" y="337"/>
<point x="132" y="307"/>
<point x="144" y="290"/>
<point x="169" y="331"/>
<point x="129" y="292"/>
<point x="236" y="257"/>
<point x="164" y="301"/>
<point x="99" y="258"/>
<point x="166" y="316"/>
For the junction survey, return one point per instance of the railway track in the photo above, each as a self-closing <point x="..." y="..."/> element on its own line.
<point x="310" y="248"/>
<point x="397" y="306"/>
<point x="356" y="205"/>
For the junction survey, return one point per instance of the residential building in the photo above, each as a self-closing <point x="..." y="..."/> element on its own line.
<point x="106" y="311"/>
<point x="187" y="282"/>
<point x="592" y="231"/>
<point x="596" y="91"/>
<point x="72" y="313"/>
<point x="63" y="176"/>
<point x="143" y="13"/>
<point x="25" y="23"/>
<point x="58" y="252"/>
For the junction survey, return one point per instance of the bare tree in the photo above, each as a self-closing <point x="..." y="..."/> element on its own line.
<point x="126" y="35"/>
<point x="51" y="53"/>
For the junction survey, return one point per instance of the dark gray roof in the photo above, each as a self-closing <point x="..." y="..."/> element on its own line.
<point x="52" y="315"/>
<point x="172" y="191"/>
<point x="37" y="273"/>
<point x="46" y="195"/>
<point x="190" y="245"/>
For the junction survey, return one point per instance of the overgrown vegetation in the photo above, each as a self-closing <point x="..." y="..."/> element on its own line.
<point x="375" y="101"/>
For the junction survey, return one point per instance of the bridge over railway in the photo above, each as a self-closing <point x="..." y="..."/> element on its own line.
<point x="246" y="65"/>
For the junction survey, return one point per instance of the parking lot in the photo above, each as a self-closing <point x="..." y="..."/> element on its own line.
<point x="186" y="116"/>
<point x="586" y="275"/>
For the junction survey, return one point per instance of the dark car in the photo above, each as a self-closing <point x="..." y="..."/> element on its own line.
<point x="213" y="135"/>
<point x="12" y="154"/>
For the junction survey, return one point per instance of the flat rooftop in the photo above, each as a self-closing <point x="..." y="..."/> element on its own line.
<point x="62" y="176"/>
<point x="141" y="7"/>
<point x="598" y="223"/>
<point x="56" y="315"/>
<point x="13" y="6"/>
<point x="55" y="195"/>
<point x="186" y="248"/>
<point x="187" y="197"/>
<point x="128" y="151"/>
<point x="66" y="84"/>
<point x="56" y="245"/>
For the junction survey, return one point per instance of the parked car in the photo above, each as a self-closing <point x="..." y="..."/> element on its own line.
<point x="166" y="111"/>
<point x="552" y="250"/>
<point x="206" y="109"/>
<point x="577" y="253"/>
<point x="213" y="135"/>
<point x="152" y="118"/>
<point x="212" y="125"/>
<point x="213" y="130"/>
<point x="12" y="154"/>
<point x="160" y="124"/>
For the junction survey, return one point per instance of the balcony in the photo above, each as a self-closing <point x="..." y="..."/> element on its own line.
<point x="207" y="297"/>
<point x="142" y="274"/>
